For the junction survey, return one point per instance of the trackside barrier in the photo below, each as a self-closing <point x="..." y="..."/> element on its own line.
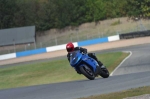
<point x="31" y="52"/>
<point x="59" y="47"/>
<point x="7" y="56"/>
<point x="113" y="38"/>
<point x="135" y="34"/>
<point x="93" y="41"/>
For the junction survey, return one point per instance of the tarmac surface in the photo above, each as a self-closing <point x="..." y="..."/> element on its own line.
<point x="133" y="73"/>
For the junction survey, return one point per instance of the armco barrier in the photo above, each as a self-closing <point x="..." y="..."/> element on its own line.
<point x="7" y="56"/>
<point x="31" y="52"/>
<point x="59" y="47"/>
<point x="135" y="34"/>
<point x="93" y="41"/>
<point x="113" y="38"/>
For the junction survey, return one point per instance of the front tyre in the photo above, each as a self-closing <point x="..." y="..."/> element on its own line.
<point x="87" y="72"/>
<point x="104" y="72"/>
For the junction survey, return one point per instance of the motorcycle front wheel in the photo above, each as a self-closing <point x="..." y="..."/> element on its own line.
<point x="87" y="72"/>
<point x="104" y="72"/>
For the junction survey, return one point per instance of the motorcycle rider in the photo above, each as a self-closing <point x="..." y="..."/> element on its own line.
<point x="70" y="48"/>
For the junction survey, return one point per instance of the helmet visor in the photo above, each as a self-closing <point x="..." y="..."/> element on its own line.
<point x="69" y="49"/>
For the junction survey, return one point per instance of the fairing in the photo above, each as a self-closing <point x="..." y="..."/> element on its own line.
<point x="79" y="59"/>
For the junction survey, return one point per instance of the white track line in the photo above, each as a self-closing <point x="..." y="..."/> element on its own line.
<point x="122" y="62"/>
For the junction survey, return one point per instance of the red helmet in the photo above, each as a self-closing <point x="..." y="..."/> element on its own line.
<point x="70" y="47"/>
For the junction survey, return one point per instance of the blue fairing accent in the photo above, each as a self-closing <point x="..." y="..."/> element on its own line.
<point x="90" y="61"/>
<point x="78" y="59"/>
<point x="75" y="58"/>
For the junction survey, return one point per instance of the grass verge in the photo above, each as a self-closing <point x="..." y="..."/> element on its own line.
<point x="123" y="94"/>
<point x="51" y="72"/>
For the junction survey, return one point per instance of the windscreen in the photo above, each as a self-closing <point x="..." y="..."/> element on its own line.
<point x="75" y="57"/>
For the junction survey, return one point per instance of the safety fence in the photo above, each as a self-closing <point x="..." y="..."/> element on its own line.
<point x="103" y="30"/>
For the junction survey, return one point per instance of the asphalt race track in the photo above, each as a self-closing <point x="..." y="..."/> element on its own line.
<point x="133" y="73"/>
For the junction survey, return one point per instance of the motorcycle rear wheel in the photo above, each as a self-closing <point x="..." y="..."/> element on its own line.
<point x="87" y="72"/>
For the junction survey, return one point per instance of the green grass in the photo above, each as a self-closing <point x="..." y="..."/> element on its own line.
<point x="123" y="94"/>
<point x="50" y="72"/>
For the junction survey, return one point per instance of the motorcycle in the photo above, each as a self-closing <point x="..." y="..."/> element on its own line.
<point x="87" y="66"/>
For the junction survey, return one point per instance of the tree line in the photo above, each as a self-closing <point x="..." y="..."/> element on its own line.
<point x="47" y="14"/>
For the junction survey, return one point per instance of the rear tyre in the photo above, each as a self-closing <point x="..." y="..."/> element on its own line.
<point x="87" y="72"/>
<point x="104" y="72"/>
